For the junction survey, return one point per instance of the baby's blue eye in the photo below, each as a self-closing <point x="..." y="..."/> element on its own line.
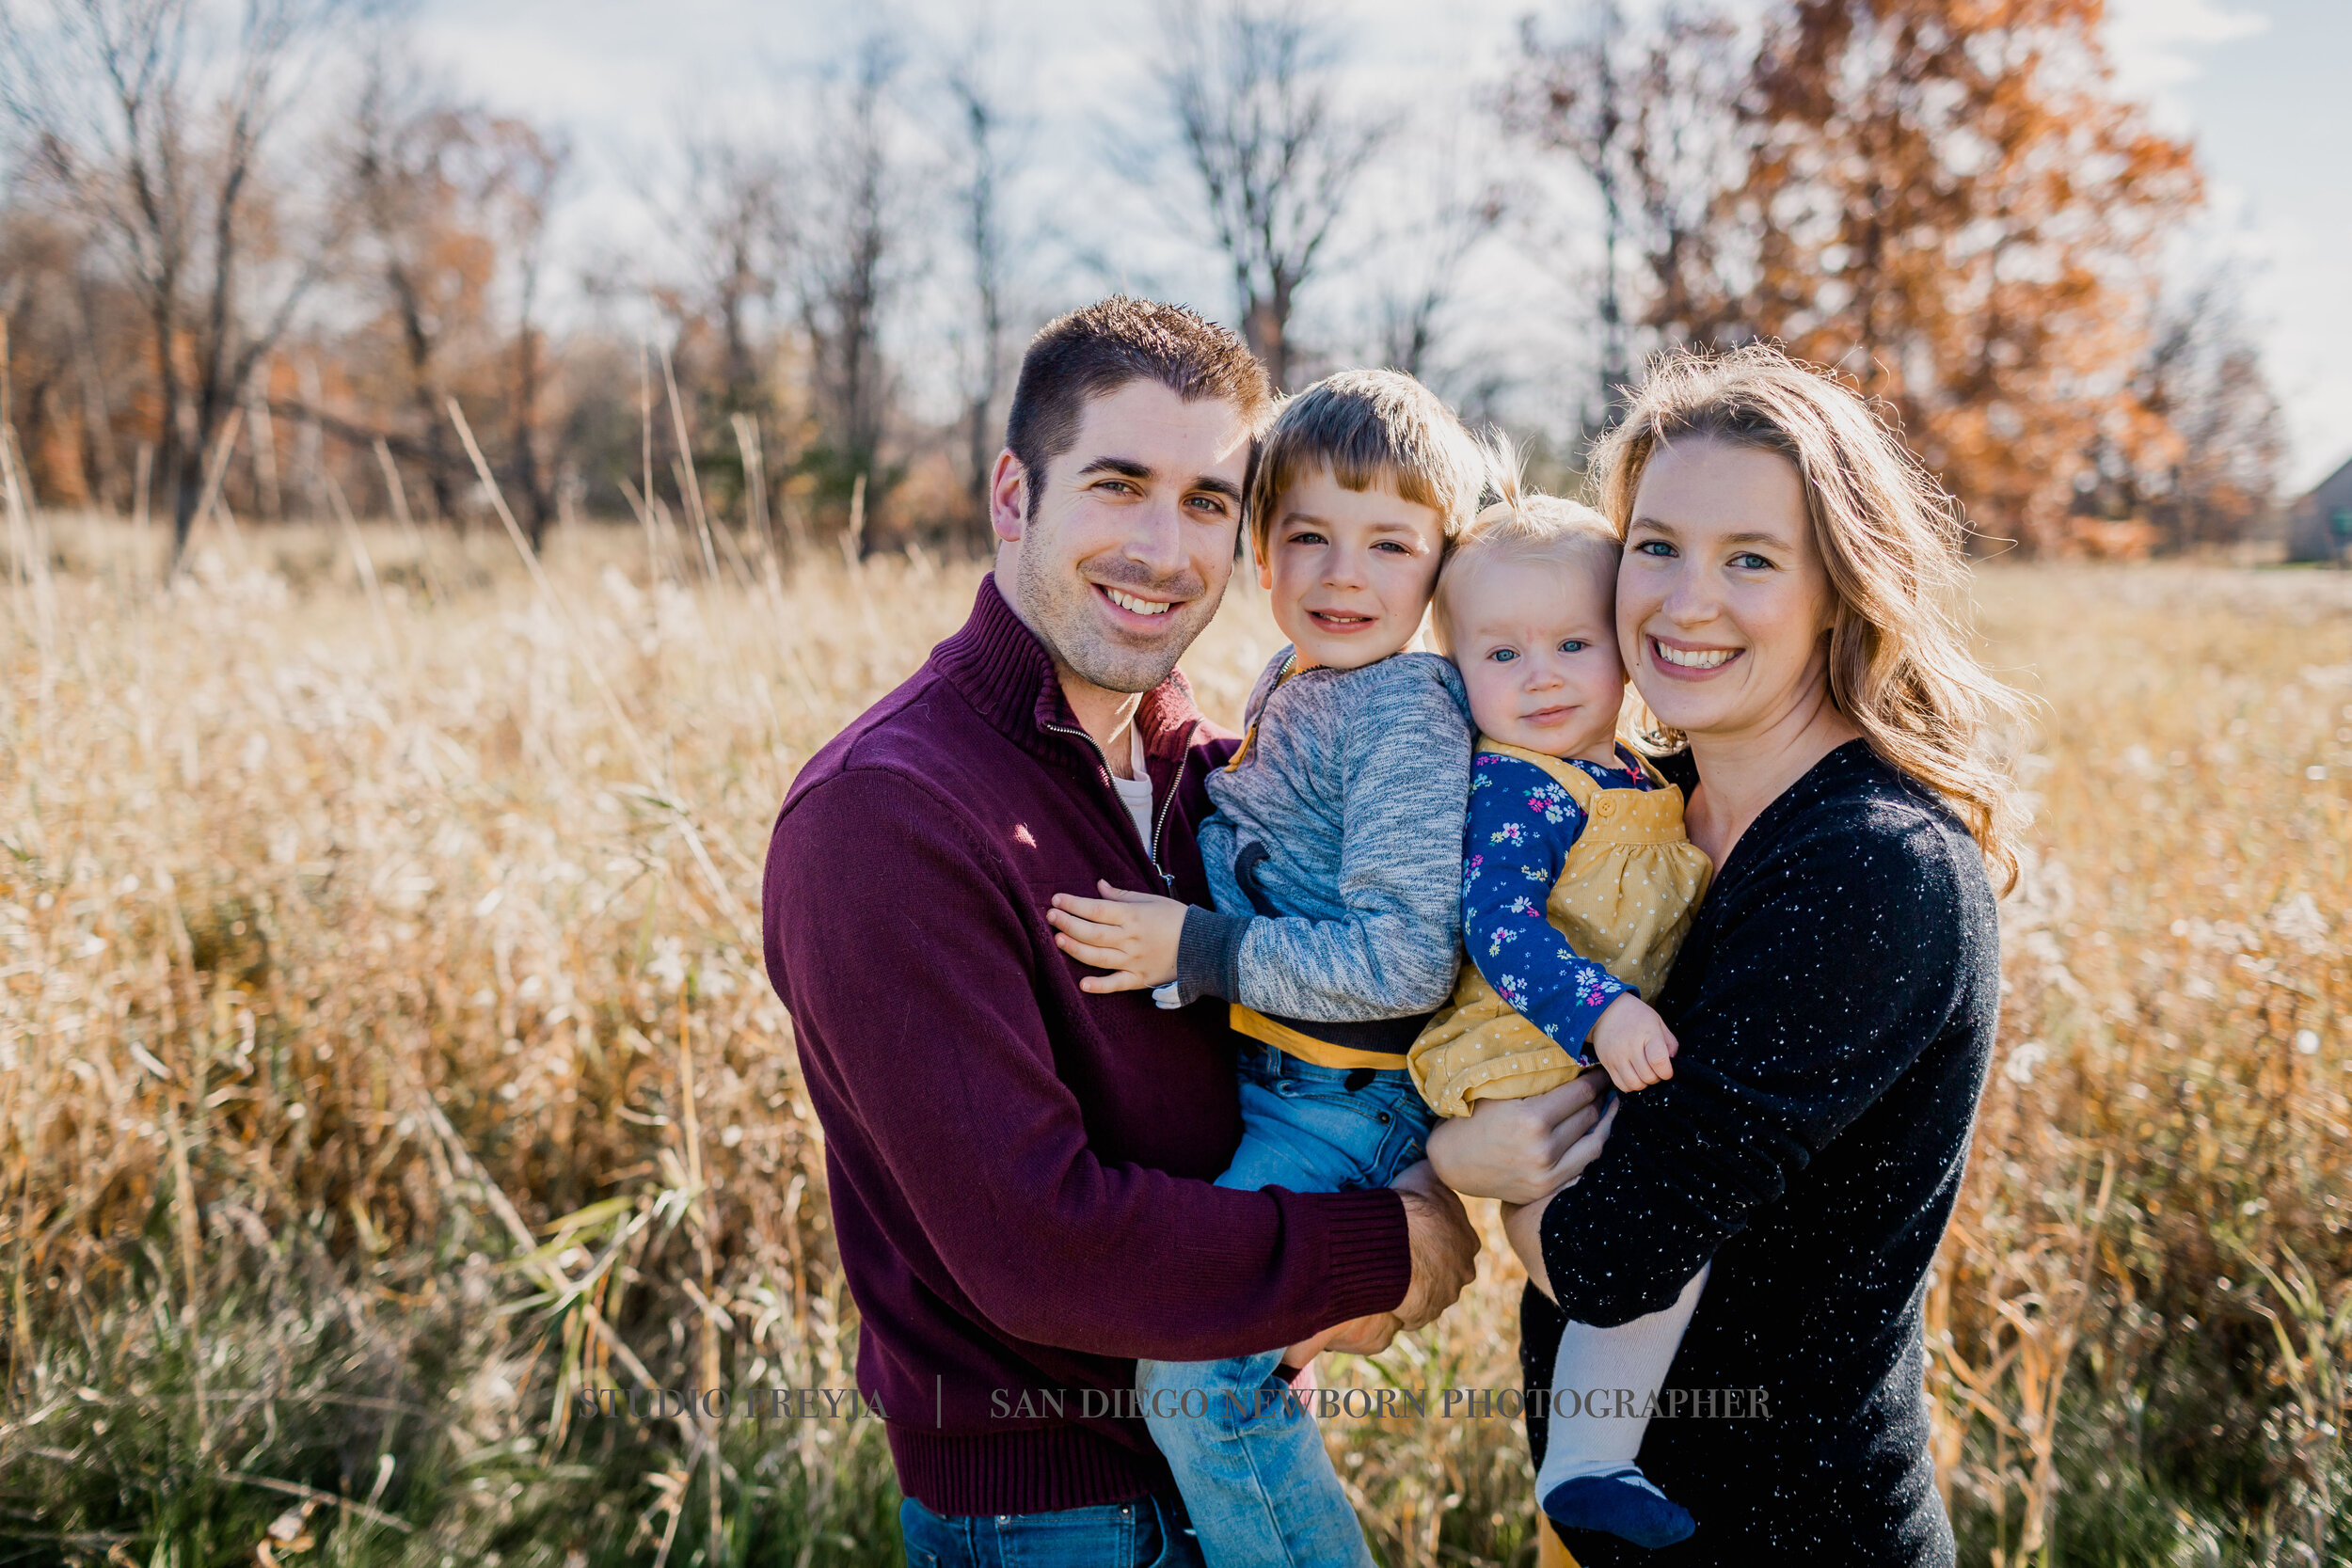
<point x="1504" y="655"/>
<point x="1574" y="646"/>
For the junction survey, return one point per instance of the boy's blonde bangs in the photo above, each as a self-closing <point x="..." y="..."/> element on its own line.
<point x="1368" y="427"/>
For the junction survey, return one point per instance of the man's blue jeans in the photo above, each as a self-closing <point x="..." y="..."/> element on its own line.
<point x="1250" y="1461"/>
<point x="1143" y="1532"/>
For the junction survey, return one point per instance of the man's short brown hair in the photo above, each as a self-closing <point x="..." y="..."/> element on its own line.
<point x="1367" y="426"/>
<point x="1093" y="352"/>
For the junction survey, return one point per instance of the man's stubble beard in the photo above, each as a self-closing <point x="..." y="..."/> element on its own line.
<point x="1054" y="598"/>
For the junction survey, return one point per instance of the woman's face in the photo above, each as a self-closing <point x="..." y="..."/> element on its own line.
<point x="1723" y="600"/>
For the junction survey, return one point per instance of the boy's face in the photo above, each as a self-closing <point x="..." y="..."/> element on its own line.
<point x="1350" y="571"/>
<point x="1536" y="644"/>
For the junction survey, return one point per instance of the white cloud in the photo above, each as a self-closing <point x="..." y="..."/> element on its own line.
<point x="2155" y="42"/>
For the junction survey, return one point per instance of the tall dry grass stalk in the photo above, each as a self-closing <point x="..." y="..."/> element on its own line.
<point x="386" y="1059"/>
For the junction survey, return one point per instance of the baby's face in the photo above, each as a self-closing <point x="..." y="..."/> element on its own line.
<point x="1536" y="644"/>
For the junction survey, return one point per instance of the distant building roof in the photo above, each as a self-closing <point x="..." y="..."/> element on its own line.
<point x="2319" y="524"/>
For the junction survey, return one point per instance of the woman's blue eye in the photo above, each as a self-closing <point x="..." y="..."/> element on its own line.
<point x="1654" y="547"/>
<point x="1748" y="561"/>
<point x="1504" y="655"/>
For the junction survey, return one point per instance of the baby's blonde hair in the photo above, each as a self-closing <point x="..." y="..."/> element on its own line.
<point x="1524" y="526"/>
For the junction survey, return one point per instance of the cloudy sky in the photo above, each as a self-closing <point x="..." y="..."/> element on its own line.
<point x="2259" y="84"/>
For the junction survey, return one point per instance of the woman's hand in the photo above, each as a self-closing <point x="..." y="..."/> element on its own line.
<point x="1522" y="1150"/>
<point x="1523" y="1223"/>
<point x="1135" y="935"/>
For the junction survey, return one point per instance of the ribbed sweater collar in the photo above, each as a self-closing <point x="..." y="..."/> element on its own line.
<point x="1005" y="672"/>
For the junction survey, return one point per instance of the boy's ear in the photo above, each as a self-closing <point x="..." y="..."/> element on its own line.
<point x="1009" y="497"/>
<point x="1265" y="567"/>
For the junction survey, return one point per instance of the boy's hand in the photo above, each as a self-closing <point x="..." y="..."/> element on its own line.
<point x="1135" y="935"/>
<point x="1634" y="1044"/>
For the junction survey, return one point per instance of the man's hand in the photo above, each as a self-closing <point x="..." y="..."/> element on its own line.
<point x="1634" y="1043"/>
<point x="1445" y="1247"/>
<point x="1345" y="1338"/>
<point x="1133" y="935"/>
<point x="1445" y="1259"/>
<point x="1520" y="1151"/>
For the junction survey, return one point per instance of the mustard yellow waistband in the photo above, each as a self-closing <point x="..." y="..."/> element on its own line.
<point x="1248" y="1020"/>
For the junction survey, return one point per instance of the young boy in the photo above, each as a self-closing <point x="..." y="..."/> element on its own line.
<point x="1334" y="859"/>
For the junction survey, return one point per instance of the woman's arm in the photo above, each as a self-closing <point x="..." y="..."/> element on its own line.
<point x="1520" y="1151"/>
<point x="1838" y="960"/>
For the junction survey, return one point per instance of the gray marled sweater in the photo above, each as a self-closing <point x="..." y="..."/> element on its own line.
<point x="1335" y="855"/>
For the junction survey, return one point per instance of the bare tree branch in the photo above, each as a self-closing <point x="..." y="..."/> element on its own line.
<point x="1252" y="93"/>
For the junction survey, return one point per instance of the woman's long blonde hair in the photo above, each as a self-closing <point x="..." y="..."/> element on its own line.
<point x="1899" y="667"/>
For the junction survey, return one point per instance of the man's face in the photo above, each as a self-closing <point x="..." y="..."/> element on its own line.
<point x="1131" y="540"/>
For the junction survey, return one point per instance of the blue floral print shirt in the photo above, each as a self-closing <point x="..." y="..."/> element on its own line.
<point x="1520" y="827"/>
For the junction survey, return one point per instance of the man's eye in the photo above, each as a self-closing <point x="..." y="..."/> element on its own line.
<point x="1208" y="503"/>
<point x="1504" y="655"/>
<point x="1118" y="485"/>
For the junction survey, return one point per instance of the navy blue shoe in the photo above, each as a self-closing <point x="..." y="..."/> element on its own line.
<point x="1622" y="1503"/>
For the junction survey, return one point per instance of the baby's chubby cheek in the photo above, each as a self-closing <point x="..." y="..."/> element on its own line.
<point x="1493" y="702"/>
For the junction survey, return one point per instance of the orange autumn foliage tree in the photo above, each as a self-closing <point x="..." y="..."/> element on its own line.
<point x="1945" y="199"/>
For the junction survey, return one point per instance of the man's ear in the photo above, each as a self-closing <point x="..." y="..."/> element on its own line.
<point x="1009" y="497"/>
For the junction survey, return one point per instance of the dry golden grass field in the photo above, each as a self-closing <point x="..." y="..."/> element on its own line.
<point x="384" y="1056"/>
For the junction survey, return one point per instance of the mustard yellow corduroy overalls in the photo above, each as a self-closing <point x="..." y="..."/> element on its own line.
<point x="1623" y="901"/>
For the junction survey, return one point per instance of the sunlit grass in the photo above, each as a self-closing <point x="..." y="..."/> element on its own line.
<point x="358" y="945"/>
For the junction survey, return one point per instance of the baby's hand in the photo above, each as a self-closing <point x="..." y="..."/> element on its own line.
<point x="1634" y="1044"/>
<point x="1135" y="935"/>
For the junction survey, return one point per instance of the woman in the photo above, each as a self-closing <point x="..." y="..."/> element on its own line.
<point x="1781" y="605"/>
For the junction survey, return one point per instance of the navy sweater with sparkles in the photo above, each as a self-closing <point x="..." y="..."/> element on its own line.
<point x="1836" y="1003"/>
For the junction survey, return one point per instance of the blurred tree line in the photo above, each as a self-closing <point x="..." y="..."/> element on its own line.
<point x="255" y="253"/>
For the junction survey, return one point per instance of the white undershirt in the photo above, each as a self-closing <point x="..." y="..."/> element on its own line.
<point x="1136" y="792"/>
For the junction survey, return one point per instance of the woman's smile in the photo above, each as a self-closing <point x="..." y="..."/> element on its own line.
<point x="1689" y="661"/>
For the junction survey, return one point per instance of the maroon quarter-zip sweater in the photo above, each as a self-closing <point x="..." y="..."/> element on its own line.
<point x="1022" y="1172"/>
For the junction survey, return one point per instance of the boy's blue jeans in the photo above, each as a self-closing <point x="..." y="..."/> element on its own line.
<point x="1250" y="1463"/>
<point x="1143" y="1532"/>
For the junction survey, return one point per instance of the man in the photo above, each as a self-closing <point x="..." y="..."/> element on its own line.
<point x="1022" y="1167"/>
